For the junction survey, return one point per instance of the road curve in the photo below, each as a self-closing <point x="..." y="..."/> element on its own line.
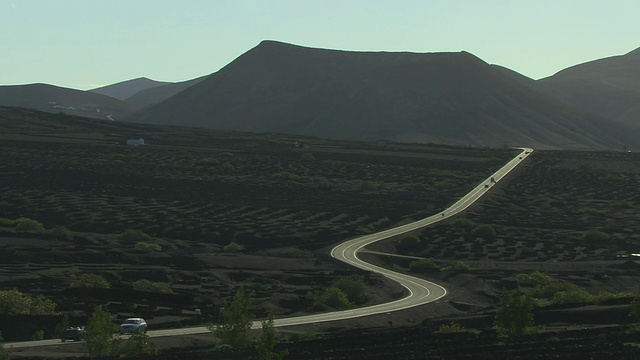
<point x="420" y="291"/>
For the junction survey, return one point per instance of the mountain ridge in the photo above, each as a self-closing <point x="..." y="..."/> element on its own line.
<point x="452" y="97"/>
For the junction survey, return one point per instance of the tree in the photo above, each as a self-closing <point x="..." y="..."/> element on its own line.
<point x="515" y="313"/>
<point x="99" y="335"/>
<point x="265" y="347"/>
<point x="236" y="321"/>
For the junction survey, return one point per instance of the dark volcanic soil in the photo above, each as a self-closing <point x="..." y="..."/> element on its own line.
<point x="195" y="192"/>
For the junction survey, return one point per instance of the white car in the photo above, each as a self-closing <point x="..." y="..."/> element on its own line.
<point x="133" y="325"/>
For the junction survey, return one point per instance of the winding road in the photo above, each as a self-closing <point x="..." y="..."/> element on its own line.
<point x="420" y="291"/>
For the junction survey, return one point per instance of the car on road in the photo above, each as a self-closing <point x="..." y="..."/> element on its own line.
<point x="73" y="333"/>
<point x="133" y="325"/>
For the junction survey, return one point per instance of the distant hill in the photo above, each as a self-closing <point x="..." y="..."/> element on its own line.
<point x="452" y="98"/>
<point x="609" y="87"/>
<point x="54" y="99"/>
<point x="125" y="89"/>
<point x="152" y="96"/>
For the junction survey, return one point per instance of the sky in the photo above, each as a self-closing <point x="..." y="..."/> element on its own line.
<point x="85" y="44"/>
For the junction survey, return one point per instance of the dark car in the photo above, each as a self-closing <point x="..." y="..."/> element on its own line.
<point x="73" y="333"/>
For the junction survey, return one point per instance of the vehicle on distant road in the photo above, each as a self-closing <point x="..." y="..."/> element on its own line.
<point x="133" y="325"/>
<point x="73" y="333"/>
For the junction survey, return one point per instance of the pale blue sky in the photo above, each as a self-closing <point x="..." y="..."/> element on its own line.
<point x="87" y="43"/>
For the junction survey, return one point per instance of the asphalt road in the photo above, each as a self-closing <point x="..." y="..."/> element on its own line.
<point x="420" y="291"/>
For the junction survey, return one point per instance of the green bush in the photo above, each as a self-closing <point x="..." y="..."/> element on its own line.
<point x="484" y="231"/>
<point x="335" y="298"/>
<point x="152" y="287"/>
<point x="574" y="296"/>
<point x="622" y="204"/>
<point x="28" y="224"/>
<point x="134" y="235"/>
<point x="423" y="265"/>
<point x="39" y="335"/>
<point x="137" y="345"/>
<point x="13" y="302"/>
<point x="285" y="175"/>
<point x="354" y="287"/>
<point x="233" y="247"/>
<point x="408" y="243"/>
<point x="225" y="155"/>
<point x="61" y="232"/>
<point x="591" y="211"/>
<point x="87" y="280"/>
<point x="454" y="327"/>
<point x="464" y="223"/>
<point x="457" y="266"/>
<point x="148" y="247"/>
<point x="595" y="236"/>
<point x="208" y="161"/>
<point x="4" y="222"/>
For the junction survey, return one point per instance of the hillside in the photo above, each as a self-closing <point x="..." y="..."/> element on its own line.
<point x="56" y="99"/>
<point x="157" y="94"/>
<point x="452" y="98"/>
<point x="125" y="89"/>
<point x="609" y="87"/>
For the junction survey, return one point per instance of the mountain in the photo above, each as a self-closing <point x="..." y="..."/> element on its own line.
<point x="54" y="99"/>
<point x="152" y="96"/>
<point x="125" y="89"/>
<point x="609" y="87"/>
<point x="452" y="98"/>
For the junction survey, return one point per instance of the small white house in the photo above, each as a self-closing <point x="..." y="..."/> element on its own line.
<point x="135" y="142"/>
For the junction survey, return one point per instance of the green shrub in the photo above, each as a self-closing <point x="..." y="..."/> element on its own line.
<point x="61" y="232"/>
<point x="39" y="335"/>
<point x="225" y="155"/>
<point x="595" y="236"/>
<point x="335" y="298"/>
<point x="514" y="315"/>
<point x="464" y="223"/>
<point x="137" y="345"/>
<point x="574" y="296"/>
<point x="87" y="280"/>
<point x="285" y="175"/>
<point x="233" y="247"/>
<point x="591" y="211"/>
<point x="152" y="287"/>
<point x="28" y="224"/>
<point x="134" y="235"/>
<point x="4" y="222"/>
<point x="457" y="266"/>
<point x="354" y="287"/>
<point x="13" y="302"/>
<point x="622" y="204"/>
<point x="423" y="265"/>
<point x="454" y="327"/>
<point x="408" y="243"/>
<point x="484" y="231"/>
<point x="605" y="295"/>
<point x="148" y="247"/>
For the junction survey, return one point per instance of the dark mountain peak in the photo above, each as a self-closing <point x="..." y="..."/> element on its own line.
<point x="127" y="88"/>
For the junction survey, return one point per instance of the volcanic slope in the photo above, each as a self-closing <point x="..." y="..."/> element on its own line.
<point x="55" y="99"/>
<point x="155" y="95"/>
<point x="126" y="89"/>
<point x="452" y="98"/>
<point x="609" y="87"/>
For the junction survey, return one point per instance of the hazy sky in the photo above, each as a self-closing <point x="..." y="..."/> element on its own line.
<point x="88" y="43"/>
